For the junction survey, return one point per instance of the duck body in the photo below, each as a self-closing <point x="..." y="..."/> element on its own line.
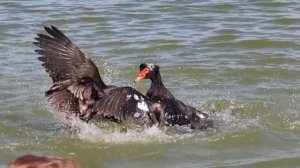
<point x="124" y="103"/>
<point x="77" y="85"/>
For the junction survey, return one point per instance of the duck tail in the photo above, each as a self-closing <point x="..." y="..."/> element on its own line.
<point x="201" y="120"/>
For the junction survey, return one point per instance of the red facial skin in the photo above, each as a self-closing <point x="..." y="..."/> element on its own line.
<point x="142" y="75"/>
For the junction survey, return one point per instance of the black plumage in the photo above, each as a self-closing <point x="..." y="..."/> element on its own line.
<point x="167" y="109"/>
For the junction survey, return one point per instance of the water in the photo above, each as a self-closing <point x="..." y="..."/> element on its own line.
<point x="236" y="59"/>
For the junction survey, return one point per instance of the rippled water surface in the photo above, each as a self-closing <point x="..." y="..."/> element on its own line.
<point x="237" y="60"/>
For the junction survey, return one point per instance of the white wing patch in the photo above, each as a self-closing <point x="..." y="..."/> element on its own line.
<point x="143" y="106"/>
<point x="136" y="97"/>
<point x="128" y="97"/>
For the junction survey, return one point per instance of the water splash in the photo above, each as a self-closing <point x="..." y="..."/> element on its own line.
<point x="115" y="133"/>
<point x="227" y="120"/>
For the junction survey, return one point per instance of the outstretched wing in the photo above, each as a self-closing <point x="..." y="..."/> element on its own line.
<point x="63" y="60"/>
<point x="76" y="80"/>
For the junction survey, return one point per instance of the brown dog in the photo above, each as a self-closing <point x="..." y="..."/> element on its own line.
<point x="31" y="161"/>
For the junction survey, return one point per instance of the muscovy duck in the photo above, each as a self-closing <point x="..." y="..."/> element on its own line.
<point x="167" y="109"/>
<point x="78" y="87"/>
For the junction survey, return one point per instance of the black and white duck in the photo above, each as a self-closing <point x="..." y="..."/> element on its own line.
<point x="167" y="109"/>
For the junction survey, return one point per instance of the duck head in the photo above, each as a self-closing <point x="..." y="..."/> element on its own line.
<point x="147" y="71"/>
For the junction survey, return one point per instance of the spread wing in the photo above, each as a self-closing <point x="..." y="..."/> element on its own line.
<point x="62" y="59"/>
<point x="75" y="77"/>
<point x="123" y="103"/>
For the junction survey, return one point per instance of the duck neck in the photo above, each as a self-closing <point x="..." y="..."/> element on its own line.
<point x="157" y="82"/>
<point x="157" y="88"/>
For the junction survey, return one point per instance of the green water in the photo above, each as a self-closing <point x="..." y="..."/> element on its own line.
<point x="238" y="60"/>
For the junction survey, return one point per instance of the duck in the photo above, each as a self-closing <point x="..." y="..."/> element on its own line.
<point x="168" y="110"/>
<point x="77" y="87"/>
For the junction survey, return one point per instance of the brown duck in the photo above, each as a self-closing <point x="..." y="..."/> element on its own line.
<point x="78" y="87"/>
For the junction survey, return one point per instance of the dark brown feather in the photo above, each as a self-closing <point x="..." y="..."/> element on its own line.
<point x="121" y="103"/>
<point x="63" y="60"/>
<point x="76" y="80"/>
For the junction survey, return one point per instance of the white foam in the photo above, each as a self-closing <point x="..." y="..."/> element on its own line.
<point x="111" y="133"/>
<point x="201" y="115"/>
<point x="294" y="125"/>
<point x="136" y="115"/>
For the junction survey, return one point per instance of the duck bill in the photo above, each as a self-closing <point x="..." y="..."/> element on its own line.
<point x="138" y="79"/>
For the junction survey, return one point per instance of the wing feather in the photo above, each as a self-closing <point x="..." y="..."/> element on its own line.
<point x="63" y="60"/>
<point x="76" y="79"/>
<point x="120" y="104"/>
